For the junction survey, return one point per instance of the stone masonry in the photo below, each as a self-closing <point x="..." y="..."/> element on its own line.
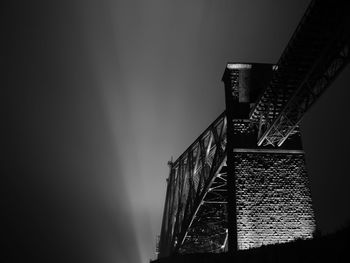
<point x="273" y="199"/>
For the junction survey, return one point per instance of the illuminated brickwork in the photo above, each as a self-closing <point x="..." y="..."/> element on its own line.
<point x="273" y="199"/>
<point x="272" y="190"/>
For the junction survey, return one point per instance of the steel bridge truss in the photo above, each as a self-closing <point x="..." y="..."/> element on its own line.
<point x="315" y="55"/>
<point x="195" y="210"/>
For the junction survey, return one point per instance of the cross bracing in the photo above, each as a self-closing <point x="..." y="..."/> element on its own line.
<point x="195" y="211"/>
<point x="315" y="55"/>
<point x="195" y="186"/>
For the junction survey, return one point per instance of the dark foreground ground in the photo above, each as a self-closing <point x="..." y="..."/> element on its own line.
<point x="331" y="248"/>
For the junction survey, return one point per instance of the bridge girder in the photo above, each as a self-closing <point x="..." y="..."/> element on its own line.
<point x="315" y="55"/>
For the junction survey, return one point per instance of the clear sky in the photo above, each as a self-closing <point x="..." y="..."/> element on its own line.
<point x="103" y="93"/>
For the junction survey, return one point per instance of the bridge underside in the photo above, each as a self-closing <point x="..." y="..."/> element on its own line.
<point x="317" y="52"/>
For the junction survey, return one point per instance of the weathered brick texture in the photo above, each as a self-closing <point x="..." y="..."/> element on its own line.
<point x="273" y="199"/>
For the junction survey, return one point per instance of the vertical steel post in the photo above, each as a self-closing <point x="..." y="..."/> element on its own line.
<point x="231" y="108"/>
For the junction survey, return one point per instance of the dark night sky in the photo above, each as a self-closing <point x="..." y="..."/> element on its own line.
<point x="100" y="95"/>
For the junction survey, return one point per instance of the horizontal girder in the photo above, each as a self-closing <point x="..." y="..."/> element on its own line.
<point x="316" y="53"/>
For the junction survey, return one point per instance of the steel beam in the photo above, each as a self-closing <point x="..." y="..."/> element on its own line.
<point x="190" y="180"/>
<point x="315" y="55"/>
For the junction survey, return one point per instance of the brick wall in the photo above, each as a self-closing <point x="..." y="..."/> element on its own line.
<point x="273" y="199"/>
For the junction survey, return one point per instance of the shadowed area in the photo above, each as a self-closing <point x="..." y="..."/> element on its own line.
<point x="332" y="247"/>
<point x="326" y="129"/>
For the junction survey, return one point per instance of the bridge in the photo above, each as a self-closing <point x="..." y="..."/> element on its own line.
<point x="196" y="218"/>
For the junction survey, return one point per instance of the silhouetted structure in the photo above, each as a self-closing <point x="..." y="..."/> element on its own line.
<point x="331" y="248"/>
<point x="243" y="182"/>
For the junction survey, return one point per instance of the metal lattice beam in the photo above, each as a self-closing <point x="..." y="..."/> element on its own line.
<point x="315" y="55"/>
<point x="192" y="186"/>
